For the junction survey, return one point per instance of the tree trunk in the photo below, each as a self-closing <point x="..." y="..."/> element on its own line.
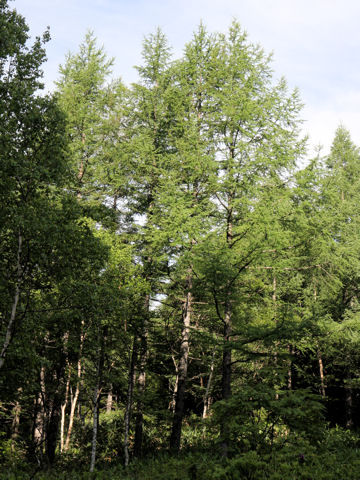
<point x="290" y="381"/>
<point x="321" y="373"/>
<point x="11" y="323"/>
<point x="226" y="376"/>
<point x="127" y="414"/>
<point x="174" y="392"/>
<point x="74" y="398"/>
<point x="16" y="421"/>
<point x="55" y="395"/>
<point x="349" y="407"/>
<point x="63" y="411"/>
<point x="39" y="420"/>
<point x="109" y="400"/>
<point x="72" y="409"/>
<point x="207" y="398"/>
<point x="141" y="381"/>
<point x="226" y="364"/>
<point x="96" y="397"/>
<point x="140" y="406"/>
<point x="182" y="371"/>
<point x="276" y="354"/>
<point x="95" y="426"/>
<point x="52" y="428"/>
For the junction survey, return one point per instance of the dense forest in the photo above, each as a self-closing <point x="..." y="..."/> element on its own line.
<point x="179" y="281"/>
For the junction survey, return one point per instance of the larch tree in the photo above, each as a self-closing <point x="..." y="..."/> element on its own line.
<point x="339" y="296"/>
<point x="92" y="105"/>
<point x="256" y="129"/>
<point x="145" y="147"/>
<point x="186" y="191"/>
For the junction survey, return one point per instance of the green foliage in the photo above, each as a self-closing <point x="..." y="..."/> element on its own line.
<point x="259" y="417"/>
<point x="334" y="457"/>
<point x="126" y="211"/>
<point x="90" y="105"/>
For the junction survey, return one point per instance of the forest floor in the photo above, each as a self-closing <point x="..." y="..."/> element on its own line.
<point x="289" y="463"/>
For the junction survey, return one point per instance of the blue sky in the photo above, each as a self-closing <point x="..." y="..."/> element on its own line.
<point x="316" y="43"/>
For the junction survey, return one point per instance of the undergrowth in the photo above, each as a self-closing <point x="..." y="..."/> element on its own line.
<point x="335" y="457"/>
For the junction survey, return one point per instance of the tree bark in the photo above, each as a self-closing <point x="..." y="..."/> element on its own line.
<point x="207" y="398"/>
<point x="226" y="360"/>
<point x="95" y="427"/>
<point x="109" y="400"/>
<point x="39" y="420"/>
<point x="290" y="380"/>
<point x="75" y="398"/>
<point x="63" y="412"/>
<point x="226" y="376"/>
<point x="11" y="323"/>
<point x="174" y="392"/>
<point x="321" y="373"/>
<point x="349" y="407"/>
<point x="127" y="414"/>
<point x="274" y="300"/>
<point x="16" y="420"/>
<point x="54" y="397"/>
<point x="52" y="427"/>
<point x="96" y="397"/>
<point x="175" y="438"/>
<point x="66" y="396"/>
<point x="141" y="382"/>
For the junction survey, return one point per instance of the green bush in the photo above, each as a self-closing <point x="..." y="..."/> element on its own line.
<point x="258" y="417"/>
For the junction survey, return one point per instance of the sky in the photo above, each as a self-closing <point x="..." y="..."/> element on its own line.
<point x="315" y="43"/>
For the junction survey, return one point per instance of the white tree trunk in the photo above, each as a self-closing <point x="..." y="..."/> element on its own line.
<point x="10" y="326"/>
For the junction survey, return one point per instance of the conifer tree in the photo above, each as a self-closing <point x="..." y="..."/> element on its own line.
<point x="90" y="102"/>
<point x="339" y="304"/>
<point x="255" y="126"/>
<point x="145" y="146"/>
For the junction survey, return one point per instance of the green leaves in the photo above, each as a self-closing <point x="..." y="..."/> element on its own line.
<point x="90" y="103"/>
<point x="169" y="216"/>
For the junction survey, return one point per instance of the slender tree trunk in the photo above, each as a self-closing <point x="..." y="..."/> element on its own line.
<point x="63" y="411"/>
<point x="72" y="409"/>
<point x="11" y="323"/>
<point x="54" y="397"/>
<point x="16" y="421"/>
<point x="173" y="399"/>
<point x="321" y="373"/>
<point x="320" y="362"/>
<point x="207" y="398"/>
<point x="226" y="360"/>
<point x="52" y="427"/>
<point x="96" y="397"/>
<point x="289" y="383"/>
<point x="95" y="427"/>
<point x="130" y="391"/>
<point x="276" y="354"/>
<point x="226" y="375"/>
<point x="109" y="400"/>
<point x="81" y="170"/>
<point x="39" y="420"/>
<point x="141" y="382"/>
<point x="349" y="410"/>
<point x="75" y="397"/>
<point x="66" y="396"/>
<point x="349" y="403"/>
<point x="182" y="369"/>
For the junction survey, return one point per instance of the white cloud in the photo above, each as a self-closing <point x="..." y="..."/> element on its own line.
<point x="321" y="124"/>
